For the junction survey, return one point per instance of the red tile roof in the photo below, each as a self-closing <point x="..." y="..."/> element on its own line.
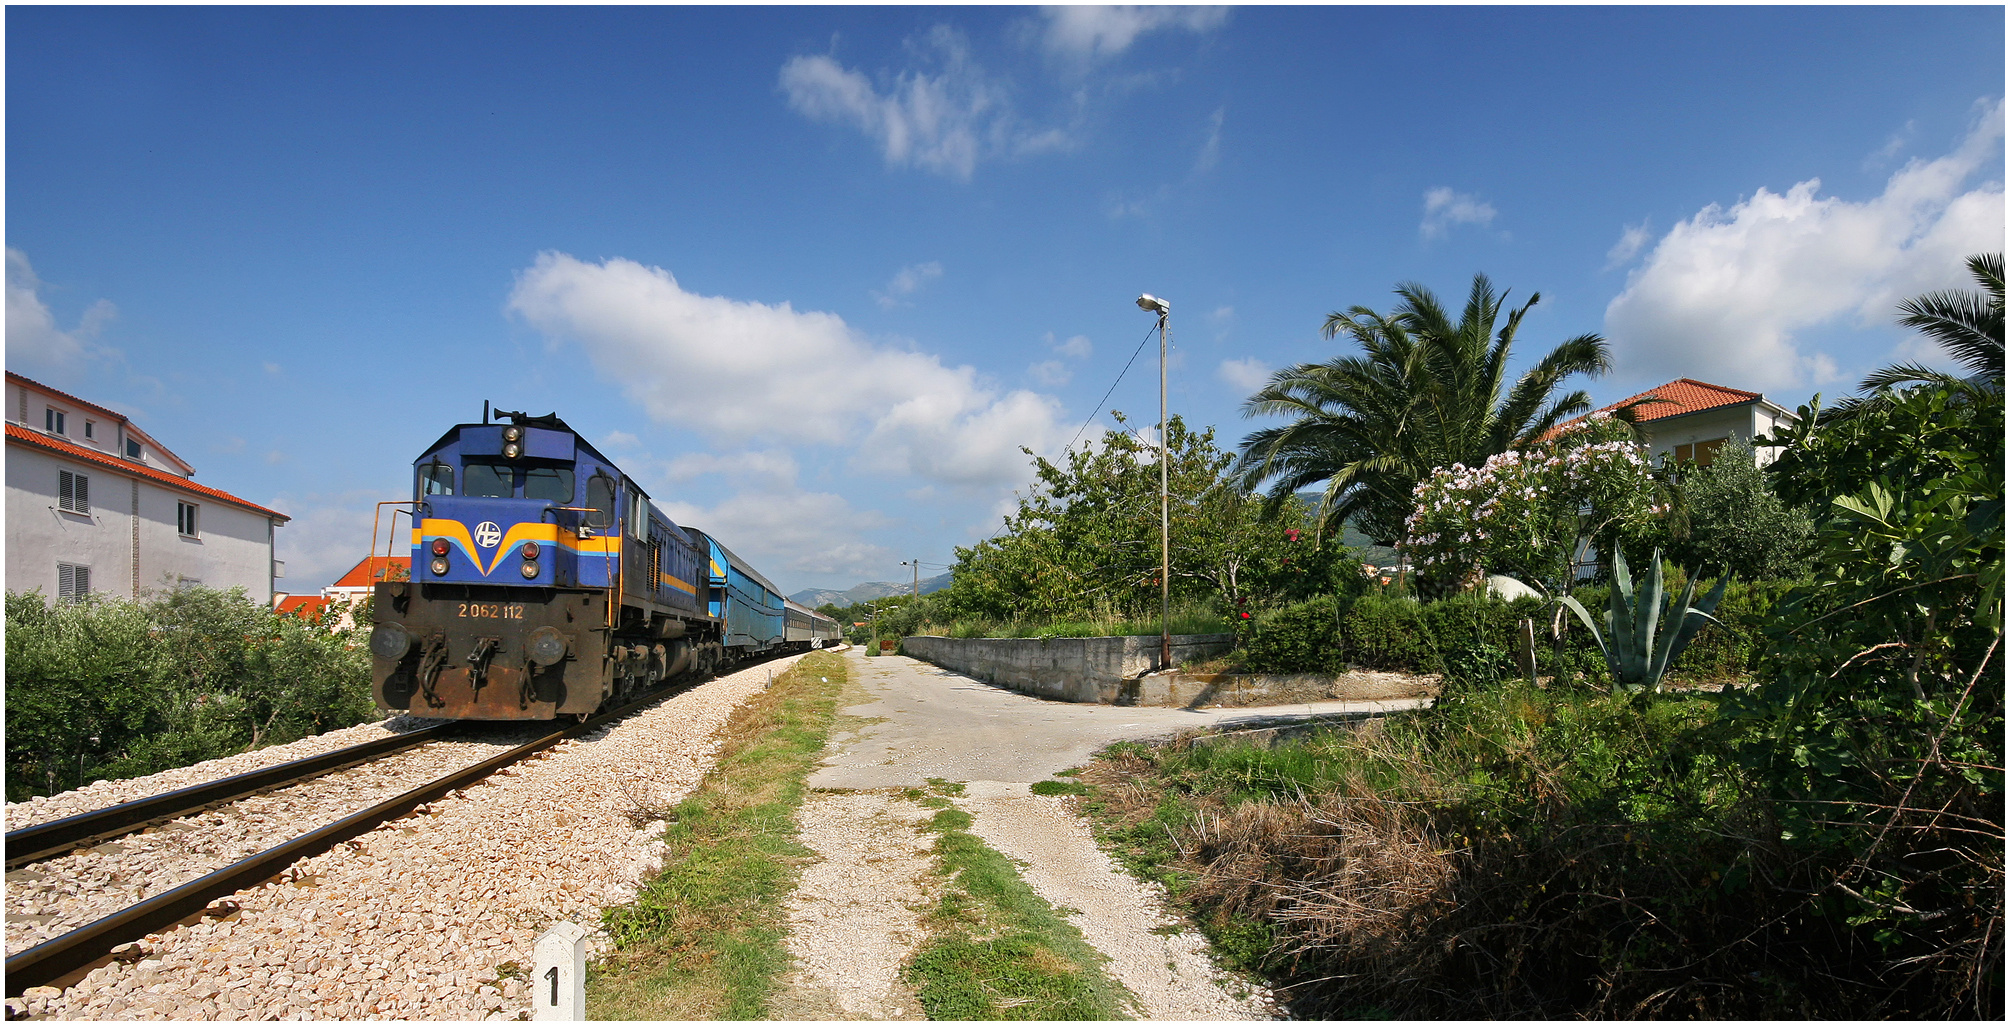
<point x="304" y="606"/>
<point x="28" y="436"/>
<point x="1683" y="396"/>
<point x="373" y="569"/>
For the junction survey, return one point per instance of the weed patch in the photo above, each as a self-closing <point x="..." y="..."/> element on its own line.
<point x="999" y="951"/>
<point x="703" y="939"/>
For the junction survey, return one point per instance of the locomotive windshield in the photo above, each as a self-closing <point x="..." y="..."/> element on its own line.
<point x="552" y="483"/>
<point x="436" y="479"/>
<point x="503" y="481"/>
<point x="489" y="480"/>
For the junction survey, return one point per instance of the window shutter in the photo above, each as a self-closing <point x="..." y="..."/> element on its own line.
<point x="66" y="581"/>
<point x="83" y="581"/>
<point x="73" y="492"/>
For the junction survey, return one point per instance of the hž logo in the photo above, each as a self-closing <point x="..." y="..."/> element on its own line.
<point x="487" y="534"/>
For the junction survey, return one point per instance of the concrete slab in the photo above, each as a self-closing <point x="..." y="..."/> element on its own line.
<point x="940" y="724"/>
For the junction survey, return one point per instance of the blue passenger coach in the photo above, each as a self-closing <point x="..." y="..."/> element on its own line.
<point x="545" y="583"/>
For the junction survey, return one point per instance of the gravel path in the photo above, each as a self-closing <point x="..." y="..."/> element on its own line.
<point x="854" y="920"/>
<point x="432" y="916"/>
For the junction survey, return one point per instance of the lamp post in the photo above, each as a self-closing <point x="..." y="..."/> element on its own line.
<point x="1153" y="304"/>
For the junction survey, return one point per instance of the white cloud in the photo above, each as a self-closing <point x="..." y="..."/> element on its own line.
<point x="1210" y="150"/>
<point x="1086" y="33"/>
<point x="1247" y="374"/>
<point x="1724" y="294"/>
<point x="1631" y="241"/>
<point x="906" y="282"/>
<point x="1052" y="373"/>
<point x="34" y="342"/>
<point x="787" y="532"/>
<point x="943" y="118"/>
<point x="330" y="533"/>
<point x="621" y="440"/>
<point x="1076" y="347"/>
<point x="1444" y="208"/>
<point x="771" y="465"/>
<point x="744" y="370"/>
<point x="1223" y="320"/>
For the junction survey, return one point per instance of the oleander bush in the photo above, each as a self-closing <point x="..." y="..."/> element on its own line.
<point x="111" y="688"/>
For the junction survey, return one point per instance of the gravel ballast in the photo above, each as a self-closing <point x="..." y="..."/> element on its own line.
<point x="432" y="916"/>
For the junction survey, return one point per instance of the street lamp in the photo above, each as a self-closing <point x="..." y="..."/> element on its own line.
<point x="1153" y="304"/>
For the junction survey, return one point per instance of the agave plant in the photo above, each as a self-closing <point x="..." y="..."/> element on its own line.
<point x="1638" y="657"/>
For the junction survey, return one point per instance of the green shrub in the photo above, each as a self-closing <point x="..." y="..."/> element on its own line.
<point x="113" y="688"/>
<point x="1304" y="638"/>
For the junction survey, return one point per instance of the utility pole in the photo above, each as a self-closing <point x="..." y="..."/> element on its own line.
<point x="916" y="564"/>
<point x="1151" y="303"/>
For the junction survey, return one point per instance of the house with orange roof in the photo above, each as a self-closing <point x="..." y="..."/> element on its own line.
<point x="95" y="505"/>
<point x="339" y="600"/>
<point x="1690" y="420"/>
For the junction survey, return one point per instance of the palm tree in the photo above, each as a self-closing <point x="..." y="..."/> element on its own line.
<point x="1969" y="325"/>
<point x="1425" y="392"/>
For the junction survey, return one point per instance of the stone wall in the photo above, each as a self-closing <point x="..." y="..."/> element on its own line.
<point x="1070" y="669"/>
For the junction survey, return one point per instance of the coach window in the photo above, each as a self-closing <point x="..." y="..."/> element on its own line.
<point x="436" y="478"/>
<point x="488" y="480"/>
<point x="550" y="483"/>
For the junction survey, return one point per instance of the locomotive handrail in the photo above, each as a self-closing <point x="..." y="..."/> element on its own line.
<point x="45" y="840"/>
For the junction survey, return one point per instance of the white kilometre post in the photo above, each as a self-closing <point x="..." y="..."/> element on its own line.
<point x="558" y="989"/>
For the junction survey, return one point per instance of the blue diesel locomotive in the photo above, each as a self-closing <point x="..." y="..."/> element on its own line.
<point x="544" y="584"/>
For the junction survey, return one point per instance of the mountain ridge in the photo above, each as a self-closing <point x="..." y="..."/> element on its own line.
<point x="857" y="593"/>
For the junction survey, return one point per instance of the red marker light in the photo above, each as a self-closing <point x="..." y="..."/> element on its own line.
<point x="439" y="546"/>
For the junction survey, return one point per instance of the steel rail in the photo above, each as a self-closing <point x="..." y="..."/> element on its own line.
<point x="47" y="840"/>
<point x="54" y="958"/>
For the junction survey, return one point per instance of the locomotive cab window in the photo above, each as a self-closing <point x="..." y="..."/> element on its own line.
<point x="638" y="514"/>
<point x="551" y="483"/>
<point x="436" y="479"/>
<point x="488" y="480"/>
<point x="600" y="496"/>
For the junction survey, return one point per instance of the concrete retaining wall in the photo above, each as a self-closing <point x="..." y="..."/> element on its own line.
<point x="1117" y="671"/>
<point x="1070" y="669"/>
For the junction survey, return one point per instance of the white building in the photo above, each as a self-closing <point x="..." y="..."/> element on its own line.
<point x="1694" y="419"/>
<point x="96" y="505"/>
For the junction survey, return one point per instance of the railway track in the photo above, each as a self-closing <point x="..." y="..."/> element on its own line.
<point x="58" y="957"/>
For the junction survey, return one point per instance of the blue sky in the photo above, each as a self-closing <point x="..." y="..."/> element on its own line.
<point x="814" y="275"/>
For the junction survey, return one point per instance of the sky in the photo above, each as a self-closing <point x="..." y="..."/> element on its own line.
<point x="816" y="277"/>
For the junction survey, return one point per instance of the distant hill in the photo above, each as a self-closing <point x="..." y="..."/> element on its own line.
<point x="814" y="597"/>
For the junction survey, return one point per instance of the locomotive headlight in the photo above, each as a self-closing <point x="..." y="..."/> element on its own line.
<point x="512" y="434"/>
<point x="546" y="646"/>
<point x="529" y="568"/>
<point x="439" y="546"/>
<point x="530" y="550"/>
<point x="390" y="641"/>
<point x="512" y="450"/>
<point x="439" y="566"/>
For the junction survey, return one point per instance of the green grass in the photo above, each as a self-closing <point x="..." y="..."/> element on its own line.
<point x="998" y="951"/>
<point x="1195" y="618"/>
<point x="703" y="939"/>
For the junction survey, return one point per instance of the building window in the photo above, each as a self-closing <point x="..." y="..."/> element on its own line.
<point x="1701" y="454"/>
<point x="53" y="420"/>
<point x="73" y="582"/>
<point x="184" y="518"/>
<point x="89" y="427"/>
<point x="185" y="583"/>
<point x="132" y="449"/>
<point x="73" y="492"/>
